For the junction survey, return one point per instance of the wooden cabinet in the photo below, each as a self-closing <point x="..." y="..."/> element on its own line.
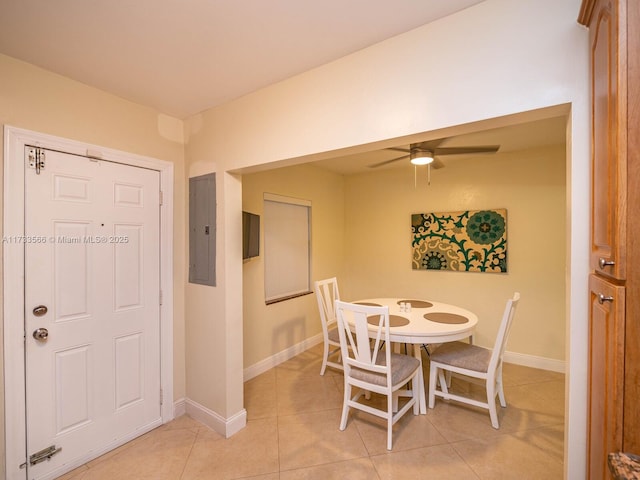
<point x="614" y="320"/>
<point x="608" y="122"/>
<point x="606" y="373"/>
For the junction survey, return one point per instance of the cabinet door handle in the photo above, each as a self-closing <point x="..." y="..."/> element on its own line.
<point x="602" y="298"/>
<point x="604" y="263"/>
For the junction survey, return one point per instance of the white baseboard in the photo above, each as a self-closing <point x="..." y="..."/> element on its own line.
<point x="535" y="362"/>
<point x="224" y="426"/>
<point x="275" y="360"/>
<point x="179" y="407"/>
<point x="523" y="359"/>
<point x="229" y="426"/>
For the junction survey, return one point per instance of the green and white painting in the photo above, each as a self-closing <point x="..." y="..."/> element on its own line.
<point x="469" y="241"/>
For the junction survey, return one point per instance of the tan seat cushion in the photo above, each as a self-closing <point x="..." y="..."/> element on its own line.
<point x="463" y="355"/>
<point x="402" y="366"/>
<point x="334" y="336"/>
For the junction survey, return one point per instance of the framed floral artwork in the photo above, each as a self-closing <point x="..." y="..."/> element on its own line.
<point x="469" y="241"/>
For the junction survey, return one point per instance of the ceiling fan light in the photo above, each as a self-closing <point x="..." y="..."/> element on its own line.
<point x="421" y="157"/>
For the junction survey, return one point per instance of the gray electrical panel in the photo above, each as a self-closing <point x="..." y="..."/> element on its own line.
<point x="202" y="229"/>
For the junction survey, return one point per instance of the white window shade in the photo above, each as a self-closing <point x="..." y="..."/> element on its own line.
<point x="287" y="247"/>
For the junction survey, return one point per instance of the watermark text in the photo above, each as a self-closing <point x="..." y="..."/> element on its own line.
<point x="65" y="239"/>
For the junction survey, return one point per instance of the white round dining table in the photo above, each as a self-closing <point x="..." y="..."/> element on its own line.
<point x="423" y="322"/>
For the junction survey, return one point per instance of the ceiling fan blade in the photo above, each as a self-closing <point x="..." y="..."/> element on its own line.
<point x="463" y="150"/>
<point x="375" y="165"/>
<point x="398" y="149"/>
<point x="430" y="145"/>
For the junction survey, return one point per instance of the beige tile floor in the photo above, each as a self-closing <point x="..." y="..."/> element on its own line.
<point x="292" y="434"/>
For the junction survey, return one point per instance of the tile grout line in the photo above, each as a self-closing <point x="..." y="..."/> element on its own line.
<point x="186" y="460"/>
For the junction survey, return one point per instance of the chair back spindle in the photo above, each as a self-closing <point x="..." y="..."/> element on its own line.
<point x="503" y="331"/>
<point x="363" y="331"/>
<point x="327" y="293"/>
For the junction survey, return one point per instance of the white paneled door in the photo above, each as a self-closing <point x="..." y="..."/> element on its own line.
<point x="92" y="316"/>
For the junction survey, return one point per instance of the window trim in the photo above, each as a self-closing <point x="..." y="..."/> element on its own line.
<point x="276" y="298"/>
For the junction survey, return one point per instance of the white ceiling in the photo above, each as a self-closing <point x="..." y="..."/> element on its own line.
<point x="183" y="57"/>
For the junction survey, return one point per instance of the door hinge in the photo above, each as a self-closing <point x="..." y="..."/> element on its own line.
<point x="161" y="397"/>
<point x="35" y="157"/>
<point x="42" y="455"/>
<point x="161" y="198"/>
<point x="160" y="297"/>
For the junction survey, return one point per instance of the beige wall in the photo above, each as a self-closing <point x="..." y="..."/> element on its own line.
<point x="478" y="68"/>
<point x="488" y="62"/>
<point x="37" y="100"/>
<point x="361" y="234"/>
<point x="529" y="184"/>
<point x="270" y="329"/>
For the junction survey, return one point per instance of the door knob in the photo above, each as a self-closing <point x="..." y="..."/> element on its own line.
<point x="604" y="263"/>
<point x="602" y="298"/>
<point x="41" y="334"/>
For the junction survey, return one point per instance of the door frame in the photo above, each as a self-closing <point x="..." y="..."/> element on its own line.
<point x="13" y="289"/>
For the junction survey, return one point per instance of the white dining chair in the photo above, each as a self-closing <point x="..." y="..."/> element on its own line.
<point x="327" y="293"/>
<point x="473" y="362"/>
<point x="363" y="329"/>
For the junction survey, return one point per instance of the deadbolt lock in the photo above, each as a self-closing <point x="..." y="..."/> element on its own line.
<point x="40" y="310"/>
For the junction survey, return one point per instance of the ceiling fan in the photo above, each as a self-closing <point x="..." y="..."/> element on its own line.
<point x="427" y="153"/>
